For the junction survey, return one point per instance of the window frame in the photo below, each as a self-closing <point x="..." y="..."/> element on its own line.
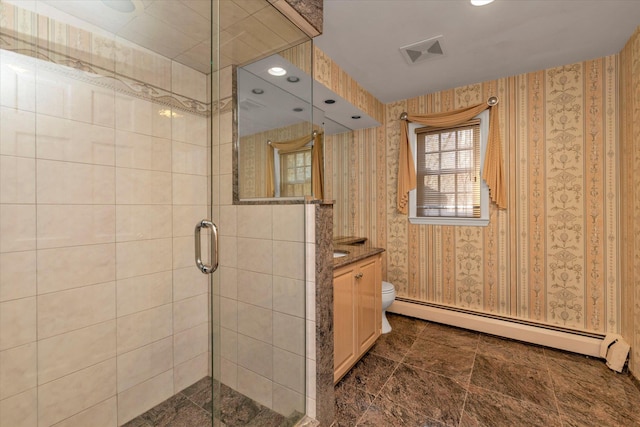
<point x="280" y="170"/>
<point x="483" y="220"/>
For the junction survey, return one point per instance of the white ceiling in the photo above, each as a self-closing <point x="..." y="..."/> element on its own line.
<point x="181" y="29"/>
<point x="274" y="107"/>
<point x="505" y="38"/>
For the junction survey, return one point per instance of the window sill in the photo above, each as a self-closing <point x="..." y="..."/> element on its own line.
<point x="465" y="222"/>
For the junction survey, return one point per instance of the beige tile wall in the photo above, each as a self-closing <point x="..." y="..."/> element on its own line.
<point x="262" y="290"/>
<point x="262" y="311"/>
<point x="102" y="313"/>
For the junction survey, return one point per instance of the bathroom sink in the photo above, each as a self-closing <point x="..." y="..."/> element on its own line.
<point x="339" y="254"/>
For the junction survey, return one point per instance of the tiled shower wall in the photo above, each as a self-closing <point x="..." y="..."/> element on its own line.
<point x="262" y="351"/>
<point x="102" y="313"/>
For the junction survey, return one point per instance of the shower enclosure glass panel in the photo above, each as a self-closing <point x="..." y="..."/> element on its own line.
<point x="259" y="324"/>
<point x="105" y="148"/>
<point x="116" y="139"/>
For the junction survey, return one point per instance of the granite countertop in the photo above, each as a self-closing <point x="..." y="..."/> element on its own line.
<point x="354" y="253"/>
<point x="349" y="240"/>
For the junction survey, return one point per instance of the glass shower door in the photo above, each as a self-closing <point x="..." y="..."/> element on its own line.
<point x="105" y="147"/>
<point x="258" y="299"/>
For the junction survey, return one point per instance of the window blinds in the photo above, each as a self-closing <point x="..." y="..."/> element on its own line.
<point x="448" y="171"/>
<point x="295" y="173"/>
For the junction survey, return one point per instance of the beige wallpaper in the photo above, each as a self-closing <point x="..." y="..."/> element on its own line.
<point x="630" y="188"/>
<point x="252" y="157"/>
<point x="552" y="256"/>
<point x="332" y="76"/>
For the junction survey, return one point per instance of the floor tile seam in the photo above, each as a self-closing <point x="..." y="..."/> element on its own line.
<point x="553" y="389"/>
<point x="406" y="352"/>
<point x="466" y="392"/>
<point x="387" y="357"/>
<point x="363" y="414"/>
<point x="434" y="340"/>
<point x="199" y="406"/>
<point x="464" y="404"/>
<point x="414" y="336"/>
<point x="572" y="377"/>
<point x="456" y="380"/>
<point x="528" y="366"/>
<point x="542" y="408"/>
<point x="395" y="368"/>
<point x="418" y="412"/>
<point x="375" y="397"/>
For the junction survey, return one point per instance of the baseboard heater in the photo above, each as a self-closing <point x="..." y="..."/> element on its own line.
<point x="522" y="330"/>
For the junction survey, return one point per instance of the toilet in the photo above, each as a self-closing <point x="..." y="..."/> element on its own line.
<point x="388" y="295"/>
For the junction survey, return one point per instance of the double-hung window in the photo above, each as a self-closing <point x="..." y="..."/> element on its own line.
<point x="450" y="189"/>
<point x="295" y="173"/>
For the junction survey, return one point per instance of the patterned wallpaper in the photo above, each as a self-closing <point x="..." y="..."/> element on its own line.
<point x="630" y="188"/>
<point x="332" y="76"/>
<point x="552" y="256"/>
<point x="252" y="157"/>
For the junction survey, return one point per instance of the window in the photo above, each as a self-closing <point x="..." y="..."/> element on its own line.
<point x="450" y="190"/>
<point x="295" y="173"/>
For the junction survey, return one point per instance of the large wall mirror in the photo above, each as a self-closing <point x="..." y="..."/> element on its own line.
<point x="283" y="116"/>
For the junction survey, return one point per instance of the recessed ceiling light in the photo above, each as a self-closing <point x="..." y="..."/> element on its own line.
<point x="355" y="117"/>
<point x="124" y="6"/>
<point x="293" y="79"/>
<point x="481" y="2"/>
<point x="329" y="101"/>
<point x="298" y="109"/>
<point x="257" y="91"/>
<point x="277" y="71"/>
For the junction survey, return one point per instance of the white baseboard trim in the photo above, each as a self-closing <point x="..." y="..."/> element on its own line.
<point x="587" y="344"/>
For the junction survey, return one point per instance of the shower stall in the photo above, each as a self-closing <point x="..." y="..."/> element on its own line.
<point x="116" y="140"/>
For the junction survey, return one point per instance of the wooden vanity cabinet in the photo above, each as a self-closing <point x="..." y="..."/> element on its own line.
<point x="357" y="311"/>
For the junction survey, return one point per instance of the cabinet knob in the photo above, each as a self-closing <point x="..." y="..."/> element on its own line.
<point x="359" y="276"/>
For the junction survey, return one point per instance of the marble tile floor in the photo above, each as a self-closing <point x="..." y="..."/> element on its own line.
<point x="427" y="374"/>
<point x="193" y="407"/>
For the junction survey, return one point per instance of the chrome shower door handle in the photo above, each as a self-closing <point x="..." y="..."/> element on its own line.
<point x="207" y="268"/>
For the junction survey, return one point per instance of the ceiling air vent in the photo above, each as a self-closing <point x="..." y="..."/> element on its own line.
<point x="249" y="104"/>
<point x="421" y="51"/>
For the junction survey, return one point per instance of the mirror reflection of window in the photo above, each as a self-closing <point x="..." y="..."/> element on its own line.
<point x="283" y="108"/>
<point x="295" y="173"/>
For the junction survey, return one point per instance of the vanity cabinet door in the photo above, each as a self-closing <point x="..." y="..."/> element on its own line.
<point x="357" y="312"/>
<point x="368" y="284"/>
<point x="344" y="320"/>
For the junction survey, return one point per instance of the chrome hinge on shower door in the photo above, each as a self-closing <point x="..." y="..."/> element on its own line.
<point x="213" y="266"/>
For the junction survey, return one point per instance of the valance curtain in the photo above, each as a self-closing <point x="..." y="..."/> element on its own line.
<point x="493" y="173"/>
<point x="317" y="170"/>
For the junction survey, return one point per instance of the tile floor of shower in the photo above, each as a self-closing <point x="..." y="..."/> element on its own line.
<point x="426" y="374"/>
<point x="193" y="407"/>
